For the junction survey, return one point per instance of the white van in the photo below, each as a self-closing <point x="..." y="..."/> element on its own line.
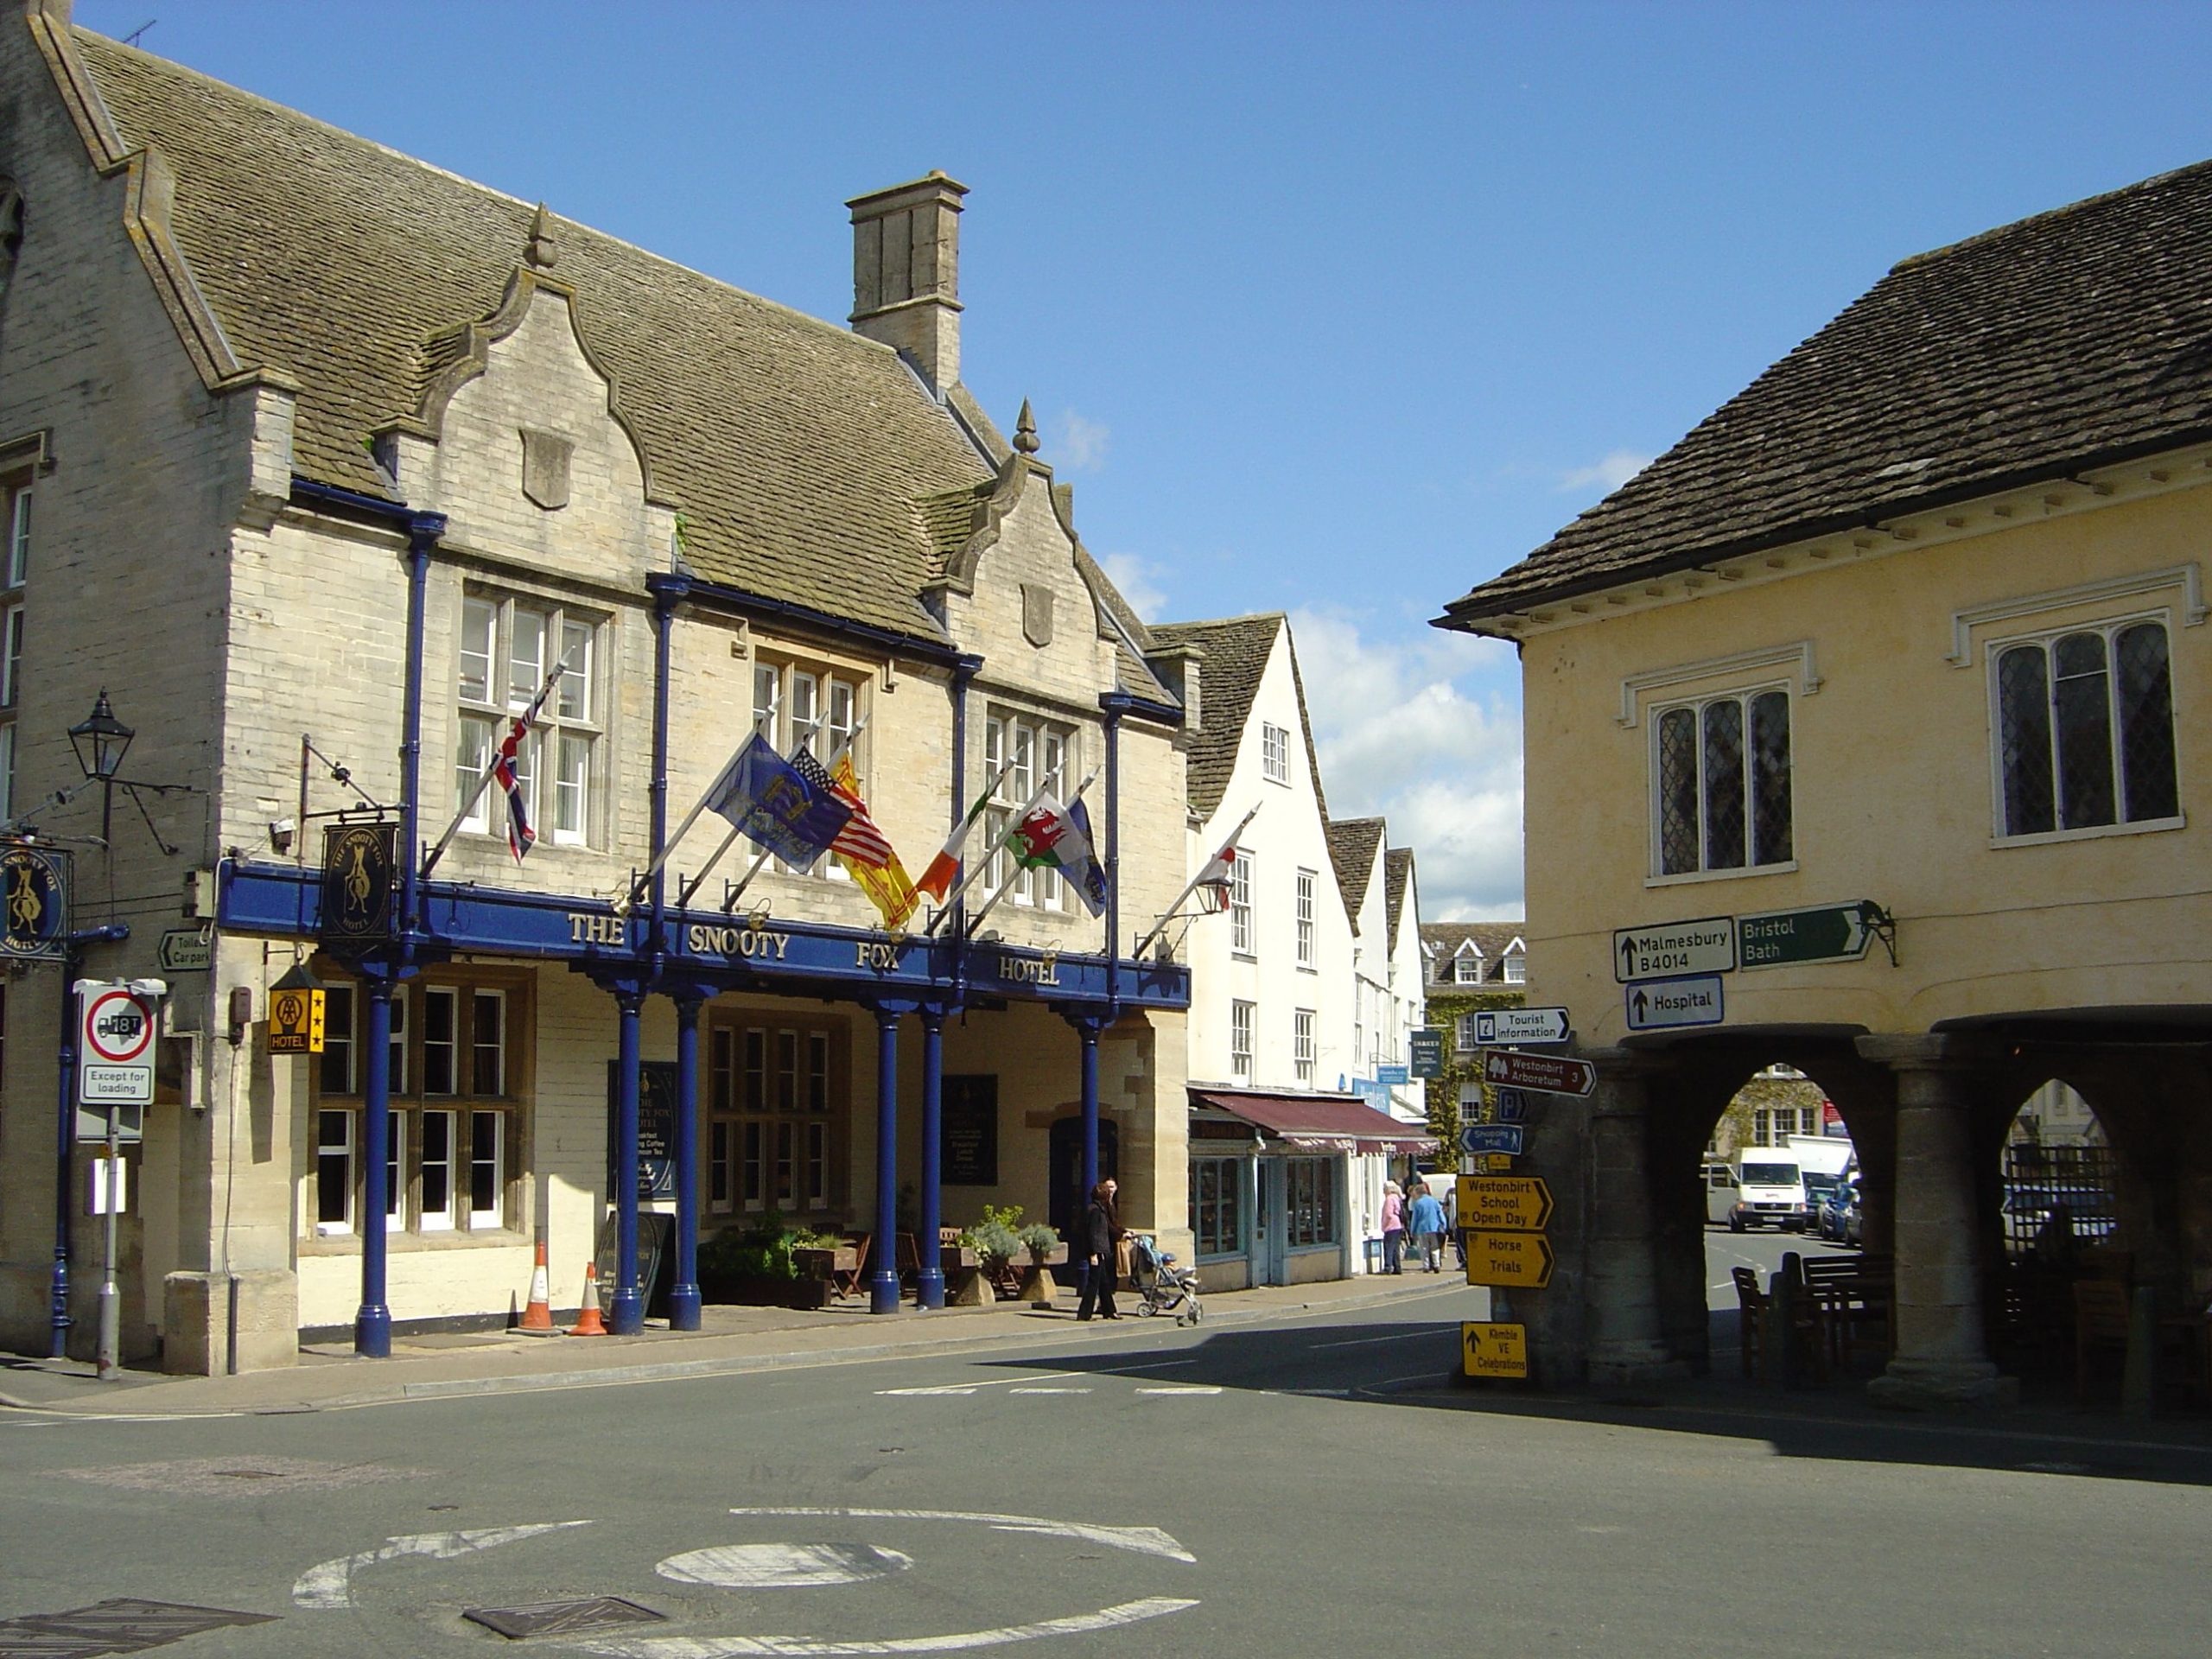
<point x="1771" y="1190"/>
<point x="1721" y="1193"/>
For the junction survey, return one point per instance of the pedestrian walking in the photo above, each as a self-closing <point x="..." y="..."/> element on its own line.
<point x="1393" y="1225"/>
<point x="1099" y="1240"/>
<point x="1451" y="1222"/>
<point x="1426" y="1221"/>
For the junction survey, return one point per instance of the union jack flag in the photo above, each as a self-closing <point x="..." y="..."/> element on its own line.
<point x="520" y="836"/>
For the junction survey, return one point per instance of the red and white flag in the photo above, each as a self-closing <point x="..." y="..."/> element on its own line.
<point x="520" y="836"/>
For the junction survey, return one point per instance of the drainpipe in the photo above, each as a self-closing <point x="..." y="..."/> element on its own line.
<point x="1113" y="865"/>
<point x="668" y="592"/>
<point x="423" y="530"/>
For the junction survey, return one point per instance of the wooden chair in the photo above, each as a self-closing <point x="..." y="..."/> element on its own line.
<point x="848" y="1284"/>
<point x="2100" y="1327"/>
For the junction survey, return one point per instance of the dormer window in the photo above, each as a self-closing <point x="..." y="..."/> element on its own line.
<point x="1516" y="968"/>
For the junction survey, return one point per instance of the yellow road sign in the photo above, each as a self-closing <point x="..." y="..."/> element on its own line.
<point x="1494" y="1350"/>
<point x="1513" y="1203"/>
<point x="295" y="1022"/>
<point x="1523" y="1259"/>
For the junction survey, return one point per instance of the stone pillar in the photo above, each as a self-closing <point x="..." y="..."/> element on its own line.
<point x="1622" y="1289"/>
<point x="1942" y="1357"/>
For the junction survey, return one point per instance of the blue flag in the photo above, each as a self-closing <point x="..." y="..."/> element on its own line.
<point x="767" y="797"/>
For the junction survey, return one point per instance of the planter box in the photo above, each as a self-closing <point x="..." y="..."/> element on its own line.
<point x="766" y="1292"/>
<point x="819" y="1261"/>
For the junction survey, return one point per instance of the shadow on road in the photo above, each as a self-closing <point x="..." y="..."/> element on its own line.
<point x="1413" y="1364"/>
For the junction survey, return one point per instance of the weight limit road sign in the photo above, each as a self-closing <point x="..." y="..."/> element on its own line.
<point x="1522" y="1260"/>
<point x="1550" y="1074"/>
<point x="115" y="1044"/>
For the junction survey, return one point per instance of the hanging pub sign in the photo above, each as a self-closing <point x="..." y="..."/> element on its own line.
<point x="34" y="904"/>
<point x="359" y="860"/>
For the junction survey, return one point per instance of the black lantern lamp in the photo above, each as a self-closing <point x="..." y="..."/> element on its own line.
<point x="100" y="741"/>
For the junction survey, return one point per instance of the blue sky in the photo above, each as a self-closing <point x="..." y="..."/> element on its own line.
<point x="1332" y="310"/>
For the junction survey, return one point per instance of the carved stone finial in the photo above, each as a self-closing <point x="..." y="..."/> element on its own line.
<point x="1025" y="430"/>
<point x="542" y="252"/>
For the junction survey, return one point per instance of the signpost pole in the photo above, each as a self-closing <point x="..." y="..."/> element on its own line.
<point x="109" y="1362"/>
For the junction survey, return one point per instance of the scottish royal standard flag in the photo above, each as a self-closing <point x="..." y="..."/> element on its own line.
<point x="777" y="808"/>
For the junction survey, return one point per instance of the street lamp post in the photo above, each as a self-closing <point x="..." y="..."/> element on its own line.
<point x="100" y="740"/>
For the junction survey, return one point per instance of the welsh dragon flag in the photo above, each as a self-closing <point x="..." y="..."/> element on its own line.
<point x="1056" y="838"/>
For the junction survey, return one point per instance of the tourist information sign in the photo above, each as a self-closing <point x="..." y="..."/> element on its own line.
<point x="1552" y="1074"/>
<point x="1521" y="1259"/>
<point x="1775" y="938"/>
<point x="1704" y="946"/>
<point x="1656" y="1004"/>
<point x="1494" y="1350"/>
<point x="1508" y="1204"/>
<point x="1522" y="1025"/>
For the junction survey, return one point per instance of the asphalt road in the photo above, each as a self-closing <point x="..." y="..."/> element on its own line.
<point x="1300" y="1486"/>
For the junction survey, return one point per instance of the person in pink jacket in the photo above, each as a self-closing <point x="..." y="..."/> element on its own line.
<point x="1393" y="1225"/>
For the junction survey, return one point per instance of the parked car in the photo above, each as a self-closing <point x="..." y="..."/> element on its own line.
<point x="1838" y="1213"/>
<point x="1820" y="1187"/>
<point x="2028" y="1210"/>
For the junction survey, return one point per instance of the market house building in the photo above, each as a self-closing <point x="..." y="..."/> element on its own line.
<point x="300" y="435"/>
<point x="1909" y="633"/>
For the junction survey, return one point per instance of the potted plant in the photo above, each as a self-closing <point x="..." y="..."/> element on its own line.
<point x="1045" y="1247"/>
<point x="757" y="1265"/>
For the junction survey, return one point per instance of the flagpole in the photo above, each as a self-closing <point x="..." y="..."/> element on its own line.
<point x="969" y="879"/>
<point x="990" y="784"/>
<point x="685" y="889"/>
<point x="1192" y="885"/>
<point x="951" y="900"/>
<point x="491" y="765"/>
<point x="628" y="900"/>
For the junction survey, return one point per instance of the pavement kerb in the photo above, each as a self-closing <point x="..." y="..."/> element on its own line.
<point x="107" y="1405"/>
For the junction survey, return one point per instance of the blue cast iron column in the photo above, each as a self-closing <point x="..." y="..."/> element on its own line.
<point x="683" y="1298"/>
<point x="929" y="1287"/>
<point x="372" y="1321"/>
<point x="883" y="1283"/>
<point x="629" y="1309"/>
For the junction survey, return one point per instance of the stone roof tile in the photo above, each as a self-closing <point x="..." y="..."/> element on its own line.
<point x="2078" y="336"/>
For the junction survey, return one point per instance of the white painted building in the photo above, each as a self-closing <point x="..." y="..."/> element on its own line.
<point x="1287" y="1161"/>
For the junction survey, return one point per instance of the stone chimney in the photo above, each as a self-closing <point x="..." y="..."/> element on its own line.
<point x="906" y="273"/>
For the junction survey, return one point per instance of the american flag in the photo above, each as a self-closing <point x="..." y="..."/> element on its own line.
<point x="520" y="836"/>
<point x="860" y="839"/>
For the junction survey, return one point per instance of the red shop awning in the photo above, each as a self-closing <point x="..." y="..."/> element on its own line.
<point x="1318" y="1123"/>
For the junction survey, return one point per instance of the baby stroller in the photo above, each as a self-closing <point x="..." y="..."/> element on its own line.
<point x="1164" y="1287"/>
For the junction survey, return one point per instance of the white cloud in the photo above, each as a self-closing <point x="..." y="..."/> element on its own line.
<point x="1614" y="470"/>
<point x="1425" y="730"/>
<point x="1079" y="443"/>
<point x="1134" y="577"/>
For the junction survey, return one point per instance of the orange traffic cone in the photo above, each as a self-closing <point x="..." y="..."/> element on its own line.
<point x="538" y="1316"/>
<point x="588" y="1323"/>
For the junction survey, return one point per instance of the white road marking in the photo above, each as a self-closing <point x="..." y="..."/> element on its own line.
<point x="329" y="1585"/>
<point x="730" y="1647"/>
<point x="782" y="1567"/>
<point x="949" y="1387"/>
<point x="1361" y="1342"/>
<point x="1144" y="1541"/>
<point x="1155" y="1365"/>
<point x="1048" y="1390"/>
<point x="1186" y="1388"/>
<point x="988" y="1382"/>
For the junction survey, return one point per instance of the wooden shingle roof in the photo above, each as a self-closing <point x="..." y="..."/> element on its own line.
<point x="2074" y="339"/>
<point x="809" y="463"/>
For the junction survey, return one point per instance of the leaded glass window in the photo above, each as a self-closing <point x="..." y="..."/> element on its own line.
<point x="2085" y="730"/>
<point x="1721" y="784"/>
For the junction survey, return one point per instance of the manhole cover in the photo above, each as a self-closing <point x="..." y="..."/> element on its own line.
<point x="213" y="1477"/>
<point x="118" y="1625"/>
<point x="562" y="1618"/>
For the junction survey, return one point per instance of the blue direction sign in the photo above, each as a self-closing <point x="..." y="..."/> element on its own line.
<point x="1491" y="1137"/>
<point x="1660" y="1004"/>
<point x="1394" y="1076"/>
